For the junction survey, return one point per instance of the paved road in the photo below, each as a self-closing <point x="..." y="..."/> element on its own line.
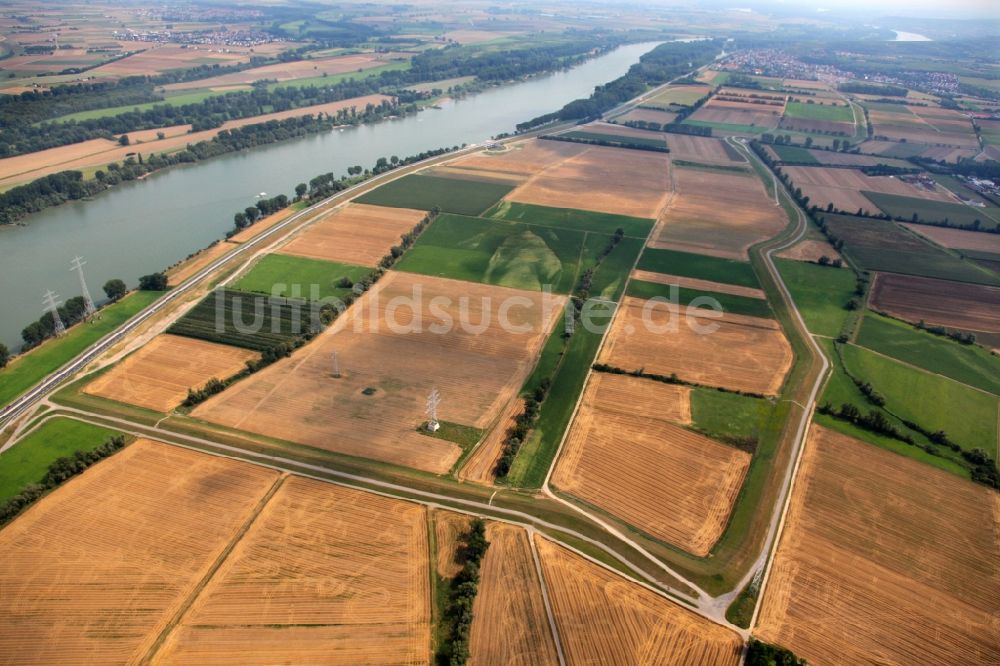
<point x="50" y="383"/>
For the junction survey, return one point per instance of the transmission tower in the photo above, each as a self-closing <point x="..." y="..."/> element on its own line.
<point x="88" y="303"/>
<point x="336" y="366"/>
<point x="433" y="400"/>
<point x="51" y="305"/>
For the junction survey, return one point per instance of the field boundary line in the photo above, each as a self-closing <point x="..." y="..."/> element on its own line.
<point x="924" y="370"/>
<point x="553" y="628"/>
<point x="210" y="574"/>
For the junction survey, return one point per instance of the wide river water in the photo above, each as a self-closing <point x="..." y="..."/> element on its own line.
<point x="142" y="227"/>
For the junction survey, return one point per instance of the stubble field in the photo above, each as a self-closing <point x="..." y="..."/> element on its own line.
<point x="355" y="234"/>
<point x="373" y="410"/>
<point x="626" y="455"/>
<point x="510" y="626"/>
<point x="95" y="571"/>
<point x="702" y="149"/>
<point x="742" y="354"/>
<point x="160" y="373"/>
<point x="604" y="619"/>
<point x="843" y="188"/>
<point x="718" y="214"/>
<point x="325" y="575"/>
<point x="607" y="180"/>
<point x="884" y="560"/>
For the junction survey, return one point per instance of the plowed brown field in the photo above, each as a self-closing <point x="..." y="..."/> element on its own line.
<point x="608" y="180"/>
<point x="884" y="560"/>
<point x="346" y="571"/>
<point x="742" y="354"/>
<point x="356" y="234"/>
<point x="605" y="619"/>
<point x="720" y="214"/>
<point x="843" y="187"/>
<point x="95" y="571"/>
<point x="958" y="238"/>
<point x="510" y="626"/>
<point x="624" y="456"/>
<point x="972" y="307"/>
<point x="477" y="372"/>
<point x="160" y="373"/>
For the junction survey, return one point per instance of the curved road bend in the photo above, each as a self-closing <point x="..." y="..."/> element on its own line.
<point x="19" y="405"/>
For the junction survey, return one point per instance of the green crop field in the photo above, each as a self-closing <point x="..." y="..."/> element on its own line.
<point x="752" y="307"/>
<point x="624" y="141"/>
<point x="883" y="245"/>
<point x="968" y="364"/>
<point x="794" y="154"/>
<point x="933" y="211"/>
<point x="932" y="401"/>
<point x="297" y="277"/>
<point x="25" y="371"/>
<point x="841" y="114"/>
<point x="724" y="415"/>
<point x="571" y="218"/>
<point x="820" y="293"/>
<point x="28" y="461"/>
<point x="699" y="266"/>
<point x="245" y="320"/>
<point x="333" y="79"/>
<point x="729" y="128"/>
<point x="179" y="98"/>
<point x="451" y="195"/>
<point x="608" y="281"/>
<point x="509" y="254"/>
<point x="536" y="455"/>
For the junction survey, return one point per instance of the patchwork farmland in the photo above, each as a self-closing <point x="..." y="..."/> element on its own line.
<point x="374" y="409"/>
<point x="627" y="455"/>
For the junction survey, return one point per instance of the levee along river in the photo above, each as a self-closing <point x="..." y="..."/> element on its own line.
<point x="145" y="226"/>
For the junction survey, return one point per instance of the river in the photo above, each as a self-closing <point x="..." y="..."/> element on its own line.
<point x="142" y="227"/>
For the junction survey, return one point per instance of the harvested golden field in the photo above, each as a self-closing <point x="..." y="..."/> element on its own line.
<point x="626" y="455"/>
<point x="345" y="571"/>
<point x="810" y="250"/>
<point x="743" y="353"/>
<point x="510" y="626"/>
<point x="159" y="374"/>
<point x="94" y="572"/>
<point x="972" y="307"/>
<point x="356" y="234"/>
<point x="287" y="71"/>
<point x="400" y="352"/>
<point x="647" y="116"/>
<point x="702" y="149"/>
<point x="695" y="283"/>
<point x="681" y="95"/>
<point x="480" y="467"/>
<point x="475" y="175"/>
<point x="719" y="214"/>
<point x="605" y="619"/>
<point x="602" y="179"/>
<point x="99" y="152"/>
<point x="524" y="158"/>
<point x="449" y="528"/>
<point x="884" y="560"/>
<point x="958" y="238"/>
<point x="600" y="127"/>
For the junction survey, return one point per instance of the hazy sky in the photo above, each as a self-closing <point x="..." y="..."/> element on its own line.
<point x="957" y="9"/>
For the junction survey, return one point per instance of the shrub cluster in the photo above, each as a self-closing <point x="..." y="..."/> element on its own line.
<point x="462" y="596"/>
